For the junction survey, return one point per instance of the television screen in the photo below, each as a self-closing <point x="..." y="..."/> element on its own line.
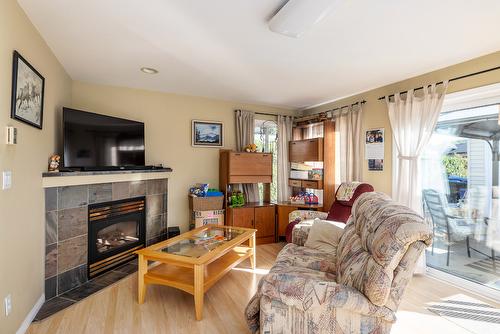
<point x="98" y="141"/>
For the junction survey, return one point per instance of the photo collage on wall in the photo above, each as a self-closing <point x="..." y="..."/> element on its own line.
<point x="374" y="149"/>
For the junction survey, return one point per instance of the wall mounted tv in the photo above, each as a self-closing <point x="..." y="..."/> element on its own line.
<point x="98" y="142"/>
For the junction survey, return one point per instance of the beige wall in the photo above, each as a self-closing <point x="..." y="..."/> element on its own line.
<point x="167" y="119"/>
<point x="22" y="235"/>
<point x="375" y="112"/>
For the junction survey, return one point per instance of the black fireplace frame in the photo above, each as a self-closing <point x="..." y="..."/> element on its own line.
<point x="95" y="226"/>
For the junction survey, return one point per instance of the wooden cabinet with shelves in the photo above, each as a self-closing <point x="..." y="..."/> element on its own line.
<point x="249" y="168"/>
<point x="303" y="149"/>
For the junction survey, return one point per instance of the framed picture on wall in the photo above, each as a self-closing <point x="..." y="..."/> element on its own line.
<point x="27" y="92"/>
<point x="207" y="133"/>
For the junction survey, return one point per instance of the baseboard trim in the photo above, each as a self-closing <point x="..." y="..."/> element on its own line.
<point x="29" y="318"/>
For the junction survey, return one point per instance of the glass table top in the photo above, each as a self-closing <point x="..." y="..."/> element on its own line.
<point x="203" y="242"/>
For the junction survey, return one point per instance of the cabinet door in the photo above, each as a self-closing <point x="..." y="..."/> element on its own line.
<point x="283" y="213"/>
<point x="243" y="217"/>
<point x="265" y="221"/>
<point x="306" y="150"/>
<point x="250" y="163"/>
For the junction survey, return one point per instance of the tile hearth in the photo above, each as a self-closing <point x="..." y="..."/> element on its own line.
<point x="73" y="296"/>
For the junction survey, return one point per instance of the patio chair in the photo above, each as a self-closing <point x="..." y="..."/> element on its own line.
<point x="454" y="228"/>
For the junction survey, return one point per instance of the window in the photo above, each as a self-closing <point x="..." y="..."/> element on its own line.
<point x="460" y="183"/>
<point x="265" y="137"/>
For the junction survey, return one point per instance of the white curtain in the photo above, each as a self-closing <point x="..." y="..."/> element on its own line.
<point x="350" y="159"/>
<point x="245" y="127"/>
<point x="285" y="124"/>
<point x="412" y="122"/>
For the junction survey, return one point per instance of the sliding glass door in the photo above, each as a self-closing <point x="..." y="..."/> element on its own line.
<point x="460" y="192"/>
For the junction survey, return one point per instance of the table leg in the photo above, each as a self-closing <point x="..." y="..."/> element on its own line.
<point x="252" y="245"/>
<point x="199" y="275"/>
<point x="142" y="270"/>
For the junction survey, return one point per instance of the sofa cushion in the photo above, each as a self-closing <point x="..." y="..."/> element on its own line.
<point x="375" y="239"/>
<point x="325" y="235"/>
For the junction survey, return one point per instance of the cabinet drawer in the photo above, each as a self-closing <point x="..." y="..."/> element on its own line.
<point x="294" y="183"/>
<point x="306" y="150"/>
<point x="250" y="163"/>
<point x="312" y="184"/>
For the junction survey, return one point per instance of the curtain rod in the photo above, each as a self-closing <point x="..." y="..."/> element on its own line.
<point x="453" y="79"/>
<point x="313" y="116"/>
<point x="265" y="113"/>
<point x="349" y="105"/>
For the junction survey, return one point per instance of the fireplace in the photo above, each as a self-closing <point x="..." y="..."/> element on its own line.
<point x="116" y="230"/>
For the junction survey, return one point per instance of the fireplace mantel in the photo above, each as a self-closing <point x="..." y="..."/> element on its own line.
<point x="63" y="179"/>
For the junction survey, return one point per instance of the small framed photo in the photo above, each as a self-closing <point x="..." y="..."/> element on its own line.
<point x="27" y="92"/>
<point x="207" y="134"/>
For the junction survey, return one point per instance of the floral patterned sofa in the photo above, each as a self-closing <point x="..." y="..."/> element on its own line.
<point x="356" y="290"/>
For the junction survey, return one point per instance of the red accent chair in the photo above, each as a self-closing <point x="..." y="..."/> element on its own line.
<point x="340" y="211"/>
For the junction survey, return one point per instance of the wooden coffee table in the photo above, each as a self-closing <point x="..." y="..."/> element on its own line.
<point x="195" y="260"/>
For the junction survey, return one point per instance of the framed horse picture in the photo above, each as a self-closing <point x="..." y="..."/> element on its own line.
<point x="27" y="92"/>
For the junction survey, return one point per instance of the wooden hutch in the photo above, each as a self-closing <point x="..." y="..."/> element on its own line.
<point x="308" y="147"/>
<point x="249" y="168"/>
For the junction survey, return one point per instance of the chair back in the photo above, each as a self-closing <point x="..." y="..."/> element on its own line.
<point x="434" y="204"/>
<point x="345" y="196"/>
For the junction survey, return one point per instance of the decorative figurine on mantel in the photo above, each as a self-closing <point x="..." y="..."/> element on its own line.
<point x="54" y="163"/>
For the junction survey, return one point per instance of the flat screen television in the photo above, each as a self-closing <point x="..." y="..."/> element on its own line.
<point x="99" y="142"/>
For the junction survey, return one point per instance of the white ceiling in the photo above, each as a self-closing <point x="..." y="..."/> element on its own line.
<point x="224" y="49"/>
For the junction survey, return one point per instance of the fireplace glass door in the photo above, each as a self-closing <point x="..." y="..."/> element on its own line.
<point x="118" y="235"/>
<point x="116" y="230"/>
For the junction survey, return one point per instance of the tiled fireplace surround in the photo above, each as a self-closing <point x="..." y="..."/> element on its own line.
<point x="66" y="226"/>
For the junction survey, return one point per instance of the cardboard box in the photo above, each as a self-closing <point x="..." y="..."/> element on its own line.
<point x="299" y="174"/>
<point x="206" y="203"/>
<point x="201" y="218"/>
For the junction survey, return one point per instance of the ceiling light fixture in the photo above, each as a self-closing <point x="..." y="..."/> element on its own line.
<point x="298" y="16"/>
<point x="149" y="70"/>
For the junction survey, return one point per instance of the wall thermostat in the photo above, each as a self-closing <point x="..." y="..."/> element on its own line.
<point x="11" y="135"/>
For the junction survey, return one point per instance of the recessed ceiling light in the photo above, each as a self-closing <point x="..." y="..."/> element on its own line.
<point x="149" y="70"/>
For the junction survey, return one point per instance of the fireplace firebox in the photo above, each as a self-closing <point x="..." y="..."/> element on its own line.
<point x="116" y="230"/>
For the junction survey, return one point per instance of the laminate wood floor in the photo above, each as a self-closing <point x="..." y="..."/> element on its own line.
<point x="167" y="310"/>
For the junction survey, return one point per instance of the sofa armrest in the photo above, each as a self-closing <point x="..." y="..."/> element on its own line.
<point x="303" y="220"/>
<point x="311" y="294"/>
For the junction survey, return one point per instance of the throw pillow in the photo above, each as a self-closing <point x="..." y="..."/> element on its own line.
<point x="325" y="235"/>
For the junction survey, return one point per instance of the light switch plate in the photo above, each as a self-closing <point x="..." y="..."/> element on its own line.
<point x="11" y="135"/>
<point x="8" y="305"/>
<point x="6" y="180"/>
